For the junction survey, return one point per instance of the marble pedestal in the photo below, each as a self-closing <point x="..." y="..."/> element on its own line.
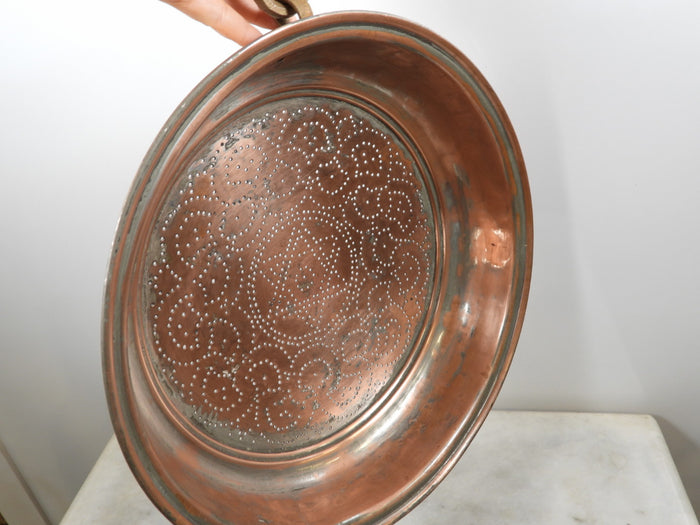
<point x="522" y="468"/>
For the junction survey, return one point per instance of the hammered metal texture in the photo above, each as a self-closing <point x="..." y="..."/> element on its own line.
<point x="289" y="273"/>
<point x="318" y="280"/>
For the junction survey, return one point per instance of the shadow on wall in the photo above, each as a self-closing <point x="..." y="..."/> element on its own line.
<point x="686" y="456"/>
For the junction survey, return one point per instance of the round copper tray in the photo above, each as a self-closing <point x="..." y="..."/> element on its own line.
<point x="319" y="278"/>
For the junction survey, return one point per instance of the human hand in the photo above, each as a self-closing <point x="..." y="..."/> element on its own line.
<point x="233" y="19"/>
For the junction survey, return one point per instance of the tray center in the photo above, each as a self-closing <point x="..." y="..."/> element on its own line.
<point x="288" y="274"/>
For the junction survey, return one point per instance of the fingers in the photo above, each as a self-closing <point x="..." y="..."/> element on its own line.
<point x="224" y="17"/>
<point x="231" y="24"/>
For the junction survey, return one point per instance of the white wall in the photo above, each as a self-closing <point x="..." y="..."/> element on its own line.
<point x="604" y="96"/>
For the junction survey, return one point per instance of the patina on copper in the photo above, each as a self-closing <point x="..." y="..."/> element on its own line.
<point x="319" y="278"/>
<point x="289" y="275"/>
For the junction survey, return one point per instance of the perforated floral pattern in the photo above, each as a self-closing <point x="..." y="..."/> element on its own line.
<point x="289" y="274"/>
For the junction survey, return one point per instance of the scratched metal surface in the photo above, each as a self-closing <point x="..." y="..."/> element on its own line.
<point x="319" y="278"/>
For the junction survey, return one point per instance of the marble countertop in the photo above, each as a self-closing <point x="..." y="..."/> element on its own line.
<point x="522" y="468"/>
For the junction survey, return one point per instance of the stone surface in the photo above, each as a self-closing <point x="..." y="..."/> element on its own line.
<point x="540" y="468"/>
<point x="523" y="467"/>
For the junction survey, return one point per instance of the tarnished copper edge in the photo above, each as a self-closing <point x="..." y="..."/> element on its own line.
<point x="324" y="446"/>
<point x="502" y="129"/>
<point x="120" y="409"/>
<point x="420" y="488"/>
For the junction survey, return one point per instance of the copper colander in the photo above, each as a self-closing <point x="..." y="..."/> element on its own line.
<point x="319" y="278"/>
